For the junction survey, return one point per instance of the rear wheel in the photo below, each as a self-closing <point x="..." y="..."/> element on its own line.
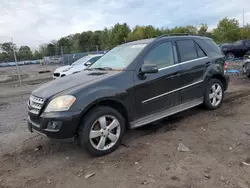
<point x="101" y="131"/>
<point x="214" y="94"/>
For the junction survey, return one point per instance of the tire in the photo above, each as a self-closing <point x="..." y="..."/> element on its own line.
<point x="248" y="75"/>
<point x="230" y="56"/>
<point x="210" y="95"/>
<point x="95" y="122"/>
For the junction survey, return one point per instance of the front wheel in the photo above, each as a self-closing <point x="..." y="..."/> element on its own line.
<point x="101" y="131"/>
<point x="214" y="94"/>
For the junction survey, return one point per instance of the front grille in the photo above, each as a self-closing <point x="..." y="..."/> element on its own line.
<point x="57" y="74"/>
<point x="35" y="104"/>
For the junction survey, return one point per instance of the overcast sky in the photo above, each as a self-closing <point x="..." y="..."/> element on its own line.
<point x="33" y="22"/>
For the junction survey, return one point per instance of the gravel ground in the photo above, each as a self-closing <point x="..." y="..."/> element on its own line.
<point x="218" y="143"/>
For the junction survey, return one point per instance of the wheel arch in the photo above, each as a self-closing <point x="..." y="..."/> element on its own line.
<point x="109" y="102"/>
<point x="222" y="79"/>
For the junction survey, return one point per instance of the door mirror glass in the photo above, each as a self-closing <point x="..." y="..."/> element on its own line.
<point x="149" y="69"/>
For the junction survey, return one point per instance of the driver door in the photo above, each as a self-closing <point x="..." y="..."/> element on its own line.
<point x="156" y="92"/>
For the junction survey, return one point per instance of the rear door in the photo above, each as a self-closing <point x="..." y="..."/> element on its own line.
<point x="193" y="63"/>
<point x="155" y="92"/>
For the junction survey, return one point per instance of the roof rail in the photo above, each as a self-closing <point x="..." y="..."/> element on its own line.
<point x="174" y="34"/>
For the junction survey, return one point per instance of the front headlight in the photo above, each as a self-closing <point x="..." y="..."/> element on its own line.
<point x="61" y="103"/>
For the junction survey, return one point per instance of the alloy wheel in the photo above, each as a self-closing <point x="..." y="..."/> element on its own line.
<point x="215" y="95"/>
<point x="105" y="132"/>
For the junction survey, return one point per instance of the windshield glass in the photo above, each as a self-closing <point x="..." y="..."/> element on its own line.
<point x="119" y="57"/>
<point x="81" y="60"/>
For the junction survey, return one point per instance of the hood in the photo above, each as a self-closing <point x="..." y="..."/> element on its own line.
<point x="76" y="68"/>
<point x="60" y="69"/>
<point x="68" y="82"/>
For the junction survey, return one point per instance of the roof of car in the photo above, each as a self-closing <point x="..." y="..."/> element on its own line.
<point x="147" y="41"/>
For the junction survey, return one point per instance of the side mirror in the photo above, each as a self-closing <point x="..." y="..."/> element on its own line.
<point x="148" y="69"/>
<point x="88" y="63"/>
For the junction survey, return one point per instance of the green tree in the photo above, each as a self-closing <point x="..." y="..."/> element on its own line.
<point x="203" y="29"/>
<point x="37" y="55"/>
<point x="227" y="31"/>
<point x="24" y="53"/>
<point x="51" y="49"/>
<point x="43" y="50"/>
<point x="137" y="33"/>
<point x="66" y="44"/>
<point x="7" y="51"/>
<point x="245" y="32"/>
<point x="119" y="33"/>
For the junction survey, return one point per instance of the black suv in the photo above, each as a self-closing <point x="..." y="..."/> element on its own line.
<point x="132" y="85"/>
<point x="237" y="49"/>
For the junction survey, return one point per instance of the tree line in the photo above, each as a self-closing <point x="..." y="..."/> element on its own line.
<point x="227" y="30"/>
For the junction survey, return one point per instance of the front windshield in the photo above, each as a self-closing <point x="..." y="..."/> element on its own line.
<point x="81" y="60"/>
<point x="119" y="57"/>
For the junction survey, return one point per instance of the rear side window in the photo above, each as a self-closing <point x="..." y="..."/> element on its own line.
<point x="187" y="50"/>
<point x="200" y="51"/>
<point x="211" y="46"/>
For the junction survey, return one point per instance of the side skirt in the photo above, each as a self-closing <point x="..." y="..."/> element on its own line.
<point x="165" y="113"/>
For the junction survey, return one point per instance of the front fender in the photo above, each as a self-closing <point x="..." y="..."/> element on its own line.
<point x="88" y="98"/>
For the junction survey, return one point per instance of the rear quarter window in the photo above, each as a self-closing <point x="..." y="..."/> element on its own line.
<point x="211" y="47"/>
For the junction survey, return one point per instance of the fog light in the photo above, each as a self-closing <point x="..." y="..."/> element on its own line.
<point x="54" y="125"/>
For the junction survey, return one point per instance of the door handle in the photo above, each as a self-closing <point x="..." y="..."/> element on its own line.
<point x="208" y="64"/>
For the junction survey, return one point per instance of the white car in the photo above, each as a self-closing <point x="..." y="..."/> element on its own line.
<point x="77" y="66"/>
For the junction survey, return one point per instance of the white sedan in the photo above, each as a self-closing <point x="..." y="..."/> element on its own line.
<point x="77" y="66"/>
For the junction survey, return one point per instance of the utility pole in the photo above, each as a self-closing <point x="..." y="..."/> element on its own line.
<point x="20" y="82"/>
<point x="97" y="50"/>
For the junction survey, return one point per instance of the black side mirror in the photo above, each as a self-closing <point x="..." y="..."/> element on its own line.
<point x="88" y="64"/>
<point x="149" y="69"/>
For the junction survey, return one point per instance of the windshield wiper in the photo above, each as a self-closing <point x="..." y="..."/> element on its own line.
<point x="100" y="68"/>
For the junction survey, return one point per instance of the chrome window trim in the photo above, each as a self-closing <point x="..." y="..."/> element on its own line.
<point x="184" y="62"/>
<point x="158" y="96"/>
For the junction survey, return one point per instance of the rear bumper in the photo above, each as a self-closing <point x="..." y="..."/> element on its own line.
<point x="67" y="124"/>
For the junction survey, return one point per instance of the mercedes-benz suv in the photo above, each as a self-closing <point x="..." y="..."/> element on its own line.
<point x="132" y="85"/>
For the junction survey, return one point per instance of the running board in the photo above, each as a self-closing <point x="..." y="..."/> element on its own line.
<point x="165" y="113"/>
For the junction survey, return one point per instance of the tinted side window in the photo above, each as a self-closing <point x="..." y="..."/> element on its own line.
<point x="187" y="50"/>
<point x="200" y="51"/>
<point x="94" y="59"/>
<point x="211" y="46"/>
<point x="161" y="55"/>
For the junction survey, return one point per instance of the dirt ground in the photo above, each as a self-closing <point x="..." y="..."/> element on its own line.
<point x="219" y="144"/>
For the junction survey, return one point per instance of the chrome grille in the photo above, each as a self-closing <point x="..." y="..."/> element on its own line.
<point x="35" y="104"/>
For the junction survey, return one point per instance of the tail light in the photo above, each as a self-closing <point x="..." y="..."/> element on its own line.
<point x="225" y="67"/>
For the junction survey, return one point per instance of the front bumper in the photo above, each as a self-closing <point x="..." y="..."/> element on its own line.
<point x="68" y="122"/>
